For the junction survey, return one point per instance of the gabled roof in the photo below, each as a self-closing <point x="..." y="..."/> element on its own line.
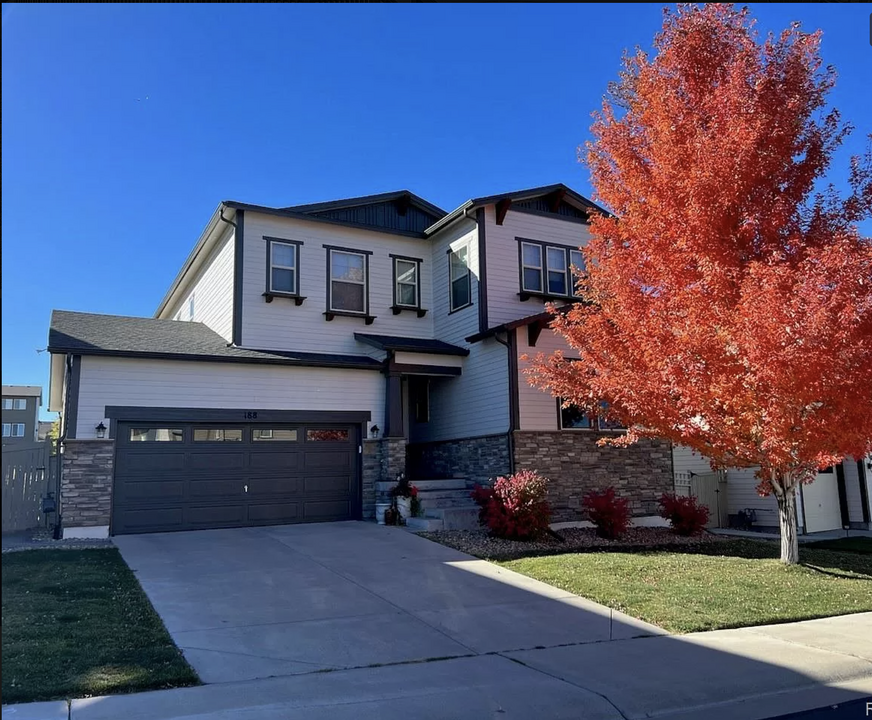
<point x="402" y="195"/>
<point x="407" y="344"/>
<point x="119" y="336"/>
<point x="559" y="194"/>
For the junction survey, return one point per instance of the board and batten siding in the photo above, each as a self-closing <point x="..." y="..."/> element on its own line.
<point x="173" y="383"/>
<point x="503" y="270"/>
<point x="538" y="409"/>
<point x="212" y="290"/>
<point x="282" y="325"/>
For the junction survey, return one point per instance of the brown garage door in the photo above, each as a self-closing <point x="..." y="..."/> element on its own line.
<point x="191" y="476"/>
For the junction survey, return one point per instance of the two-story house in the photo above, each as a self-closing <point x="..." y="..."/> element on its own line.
<point x="303" y="355"/>
<point x="21" y="405"/>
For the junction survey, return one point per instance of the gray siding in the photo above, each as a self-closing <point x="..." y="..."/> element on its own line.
<point x="382" y="215"/>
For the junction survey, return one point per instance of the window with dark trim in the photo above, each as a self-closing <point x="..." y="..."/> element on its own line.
<point x="283" y="262"/>
<point x="218" y="434"/>
<point x="142" y="434"/>
<point x="270" y="434"/>
<point x="575" y="418"/>
<point x="459" y="279"/>
<point x="548" y="269"/>
<point x="407" y="282"/>
<point x="348" y="289"/>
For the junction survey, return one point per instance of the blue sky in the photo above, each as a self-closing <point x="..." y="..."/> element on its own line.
<point x="125" y="125"/>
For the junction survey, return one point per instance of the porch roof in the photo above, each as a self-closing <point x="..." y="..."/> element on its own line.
<point x="408" y="344"/>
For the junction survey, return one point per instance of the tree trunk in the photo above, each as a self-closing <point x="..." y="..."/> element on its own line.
<point x="786" y="497"/>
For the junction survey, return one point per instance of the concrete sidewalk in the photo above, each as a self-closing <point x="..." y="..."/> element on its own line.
<point x="723" y="675"/>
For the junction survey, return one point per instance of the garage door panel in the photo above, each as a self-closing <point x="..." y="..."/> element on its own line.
<point x="336" y="460"/>
<point x="216" y="461"/>
<point x="278" y="512"/>
<point x="210" y="483"/>
<point x="153" y="489"/>
<point x="272" y="460"/>
<point x="140" y="462"/>
<point x="215" y="515"/>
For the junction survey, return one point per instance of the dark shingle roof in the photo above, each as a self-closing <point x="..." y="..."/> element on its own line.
<point x="407" y="344"/>
<point x="119" y="336"/>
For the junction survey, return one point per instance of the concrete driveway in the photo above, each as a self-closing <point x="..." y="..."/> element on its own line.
<point x="290" y="600"/>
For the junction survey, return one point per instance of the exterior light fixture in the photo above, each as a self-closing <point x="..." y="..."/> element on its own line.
<point x="374" y="431"/>
<point x="101" y="430"/>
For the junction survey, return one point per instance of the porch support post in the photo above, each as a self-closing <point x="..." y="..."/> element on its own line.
<point x="393" y="406"/>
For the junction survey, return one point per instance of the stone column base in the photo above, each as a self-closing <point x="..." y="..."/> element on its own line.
<point x="86" y="486"/>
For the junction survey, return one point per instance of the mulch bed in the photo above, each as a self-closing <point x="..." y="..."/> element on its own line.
<point x="483" y="545"/>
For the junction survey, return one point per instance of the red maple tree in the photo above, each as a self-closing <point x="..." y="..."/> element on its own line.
<point x="728" y="301"/>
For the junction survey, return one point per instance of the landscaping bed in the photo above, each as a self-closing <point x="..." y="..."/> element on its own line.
<point x="481" y="544"/>
<point x="76" y="623"/>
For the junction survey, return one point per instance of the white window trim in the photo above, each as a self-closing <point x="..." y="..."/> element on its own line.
<point x="451" y="277"/>
<point x="192" y="300"/>
<point x="417" y="283"/>
<point x="19" y="404"/>
<point x="539" y="268"/>
<point x="294" y="269"/>
<point x="18" y="430"/>
<point x="562" y="270"/>
<point x="7" y="429"/>
<point x="364" y="283"/>
<point x="574" y="276"/>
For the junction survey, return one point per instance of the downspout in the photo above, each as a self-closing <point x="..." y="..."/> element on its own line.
<point x="235" y="302"/>
<point x="510" y="435"/>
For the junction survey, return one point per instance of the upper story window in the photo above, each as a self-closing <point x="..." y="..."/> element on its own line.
<point x="283" y="263"/>
<point x="191" y="307"/>
<point x="407" y="282"/>
<point x="548" y="269"/>
<point x="459" y="278"/>
<point x="15" y="403"/>
<point x="348" y="289"/>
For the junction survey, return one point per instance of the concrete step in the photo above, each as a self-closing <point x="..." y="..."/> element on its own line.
<point x="436" y="494"/>
<point x="444" y="502"/>
<point x="424" y="524"/>
<point x="448" y="484"/>
<point x="456" y="518"/>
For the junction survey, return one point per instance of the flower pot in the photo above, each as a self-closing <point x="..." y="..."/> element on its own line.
<point x="380" y="512"/>
<point x="404" y="505"/>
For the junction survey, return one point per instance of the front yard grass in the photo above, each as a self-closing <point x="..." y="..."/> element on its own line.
<point x="76" y="623"/>
<point x="728" y="585"/>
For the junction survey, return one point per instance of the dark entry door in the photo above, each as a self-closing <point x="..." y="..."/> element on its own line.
<point x="192" y="476"/>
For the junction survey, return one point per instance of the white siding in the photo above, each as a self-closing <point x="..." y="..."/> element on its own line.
<point x="282" y="325"/>
<point x="415" y="358"/>
<point x="212" y="290"/>
<point x="503" y="278"/>
<point x="685" y="459"/>
<point x="474" y="404"/>
<point x="174" y="383"/>
<point x="537" y="408"/>
<point x="852" y="491"/>
<point x="454" y="327"/>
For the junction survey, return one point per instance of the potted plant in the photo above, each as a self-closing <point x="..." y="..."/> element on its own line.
<point x="402" y="494"/>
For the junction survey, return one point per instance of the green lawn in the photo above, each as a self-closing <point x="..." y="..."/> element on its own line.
<point x="849" y="544"/>
<point x="739" y="584"/>
<point x="76" y="623"/>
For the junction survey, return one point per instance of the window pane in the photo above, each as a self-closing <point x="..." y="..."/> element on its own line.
<point x="573" y="417"/>
<point x="277" y="434"/>
<point x="347" y="266"/>
<point x="347" y="296"/>
<point x="326" y="435"/>
<point x="459" y="293"/>
<point x="18" y="430"/>
<point x="285" y="255"/>
<point x="532" y="279"/>
<point x="607" y="424"/>
<point x="156" y="435"/>
<point x="7" y="403"/>
<point x="19" y="404"/>
<point x="407" y="272"/>
<point x="283" y="280"/>
<point x="576" y="259"/>
<point x="7" y="429"/>
<point x="556" y="259"/>
<point x="459" y="262"/>
<point x="217" y="435"/>
<point x="532" y="255"/>
<point x="557" y="282"/>
<point x="407" y="294"/>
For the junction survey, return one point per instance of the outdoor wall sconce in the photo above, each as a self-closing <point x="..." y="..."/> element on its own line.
<point x="101" y="431"/>
<point x="374" y="431"/>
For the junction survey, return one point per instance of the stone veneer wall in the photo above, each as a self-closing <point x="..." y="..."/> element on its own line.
<point x="574" y="464"/>
<point x="86" y="482"/>
<point x="478" y="459"/>
<point x="383" y="460"/>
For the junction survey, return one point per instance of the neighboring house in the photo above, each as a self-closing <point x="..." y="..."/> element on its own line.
<point x="304" y="354"/>
<point x="43" y="429"/>
<point x="838" y="498"/>
<point x="21" y="405"/>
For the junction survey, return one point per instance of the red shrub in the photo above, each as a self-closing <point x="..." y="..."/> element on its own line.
<point x="610" y="513"/>
<point x="515" y="506"/>
<point x="685" y="514"/>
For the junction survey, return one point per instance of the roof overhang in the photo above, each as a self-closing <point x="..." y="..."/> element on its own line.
<point x="541" y="320"/>
<point x="412" y="345"/>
